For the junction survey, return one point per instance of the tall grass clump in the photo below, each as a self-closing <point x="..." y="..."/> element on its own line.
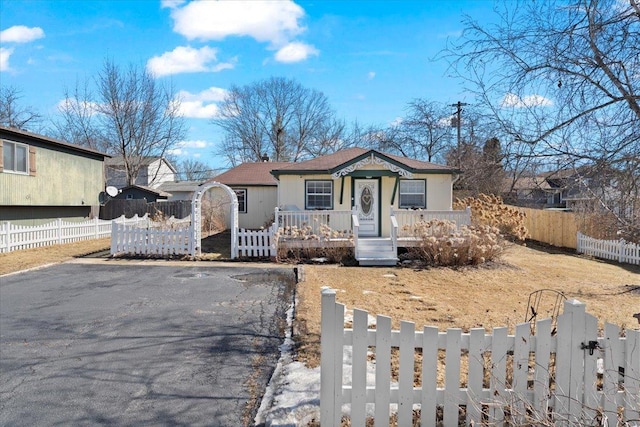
<point x="441" y="243"/>
<point x="489" y="210"/>
<point x="307" y="242"/>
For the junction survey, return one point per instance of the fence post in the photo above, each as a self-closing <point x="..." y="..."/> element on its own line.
<point x="59" y="223"/>
<point x="114" y="237"/>
<point x="328" y="351"/>
<point x="4" y="228"/>
<point x="621" y="247"/>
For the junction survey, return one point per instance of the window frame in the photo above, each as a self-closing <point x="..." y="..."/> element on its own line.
<point x="424" y="194"/>
<point x="307" y="206"/>
<point x="12" y="169"/>
<point x="245" y="192"/>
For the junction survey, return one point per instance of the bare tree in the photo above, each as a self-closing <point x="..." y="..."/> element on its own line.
<point x="140" y="118"/>
<point x="424" y="133"/>
<point x="278" y="117"/>
<point x="195" y="170"/>
<point x="79" y="121"/>
<point x="129" y="115"/>
<point x="14" y="115"/>
<point x="563" y="78"/>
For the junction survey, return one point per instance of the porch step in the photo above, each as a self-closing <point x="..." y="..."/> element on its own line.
<point x="376" y="251"/>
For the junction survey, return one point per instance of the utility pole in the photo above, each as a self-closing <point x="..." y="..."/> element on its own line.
<point x="458" y="106"/>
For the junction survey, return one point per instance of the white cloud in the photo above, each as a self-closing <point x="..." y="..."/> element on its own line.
<point x="181" y="148"/>
<point x="265" y="21"/>
<point x="371" y="75"/>
<point x="396" y="122"/>
<point x="201" y="105"/>
<point x="5" y="53"/>
<point x="72" y="104"/>
<point x="21" y="34"/>
<point x="193" y="144"/>
<point x="295" y="52"/>
<point x="186" y="59"/>
<point x="513" y="100"/>
<point x="212" y="94"/>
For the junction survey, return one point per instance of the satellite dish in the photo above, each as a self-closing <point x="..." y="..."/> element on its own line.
<point x="112" y="191"/>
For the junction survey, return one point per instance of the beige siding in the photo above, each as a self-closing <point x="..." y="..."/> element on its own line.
<point x="291" y="192"/>
<point x="60" y="179"/>
<point x="261" y="204"/>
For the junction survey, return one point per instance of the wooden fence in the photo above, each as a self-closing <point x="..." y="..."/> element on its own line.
<point x="16" y="237"/>
<point x="615" y="250"/>
<point x="571" y="377"/>
<point x="115" y="208"/>
<point x="556" y="228"/>
<point x="174" y="237"/>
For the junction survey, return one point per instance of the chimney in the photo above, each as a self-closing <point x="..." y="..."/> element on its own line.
<point x="265" y="158"/>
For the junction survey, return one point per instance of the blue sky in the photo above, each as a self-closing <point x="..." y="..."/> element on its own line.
<point x="370" y="58"/>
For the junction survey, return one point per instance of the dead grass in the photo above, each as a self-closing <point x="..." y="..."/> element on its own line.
<point x="30" y="258"/>
<point x="488" y="296"/>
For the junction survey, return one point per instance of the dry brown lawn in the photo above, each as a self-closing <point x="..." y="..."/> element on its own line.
<point x="30" y="258"/>
<point x="487" y="296"/>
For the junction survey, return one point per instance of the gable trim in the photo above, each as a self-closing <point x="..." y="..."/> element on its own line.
<point x="372" y="158"/>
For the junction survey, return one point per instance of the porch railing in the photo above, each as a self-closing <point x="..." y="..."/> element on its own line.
<point x="289" y="220"/>
<point x="407" y="218"/>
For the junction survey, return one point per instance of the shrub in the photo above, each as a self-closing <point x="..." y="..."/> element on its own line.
<point x="440" y="243"/>
<point x="491" y="211"/>
<point x="304" y="243"/>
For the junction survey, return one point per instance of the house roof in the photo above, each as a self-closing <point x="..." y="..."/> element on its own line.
<point x="528" y="183"/>
<point x="177" y="186"/>
<point x="333" y="163"/>
<point x="258" y="173"/>
<point x="14" y="132"/>
<point x="154" y="191"/>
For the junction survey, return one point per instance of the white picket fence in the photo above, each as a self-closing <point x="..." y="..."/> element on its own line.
<point x="172" y="237"/>
<point x="616" y="250"/>
<point x="17" y="237"/>
<point x="573" y="377"/>
<point x="257" y="243"/>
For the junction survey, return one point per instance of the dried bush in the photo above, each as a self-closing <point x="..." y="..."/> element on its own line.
<point x="304" y="243"/>
<point x="489" y="210"/>
<point x="441" y="243"/>
<point x="214" y="216"/>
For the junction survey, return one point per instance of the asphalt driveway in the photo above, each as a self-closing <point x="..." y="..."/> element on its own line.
<point x="126" y="345"/>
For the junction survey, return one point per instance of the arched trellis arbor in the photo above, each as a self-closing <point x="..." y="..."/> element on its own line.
<point x="196" y="218"/>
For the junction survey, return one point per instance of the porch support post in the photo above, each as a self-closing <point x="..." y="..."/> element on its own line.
<point x="341" y="189"/>
<point x="395" y="188"/>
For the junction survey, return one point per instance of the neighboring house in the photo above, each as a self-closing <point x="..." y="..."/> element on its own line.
<point x="180" y="190"/>
<point x="153" y="172"/>
<point x="42" y="179"/>
<point x="141" y="192"/>
<point x="564" y="189"/>
<point x="528" y="191"/>
<point x="369" y="180"/>
<point x="256" y="189"/>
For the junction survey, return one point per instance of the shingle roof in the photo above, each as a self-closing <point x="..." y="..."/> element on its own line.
<point x="258" y="173"/>
<point x="52" y="141"/>
<point x="157" y="192"/>
<point x="330" y="162"/>
<point x="179" y="186"/>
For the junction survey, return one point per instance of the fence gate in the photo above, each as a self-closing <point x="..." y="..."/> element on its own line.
<point x="577" y="356"/>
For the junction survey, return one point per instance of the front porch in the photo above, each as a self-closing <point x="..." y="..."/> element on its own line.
<point x="318" y="228"/>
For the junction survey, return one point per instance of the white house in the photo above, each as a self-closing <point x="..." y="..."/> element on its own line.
<point x="153" y="172"/>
